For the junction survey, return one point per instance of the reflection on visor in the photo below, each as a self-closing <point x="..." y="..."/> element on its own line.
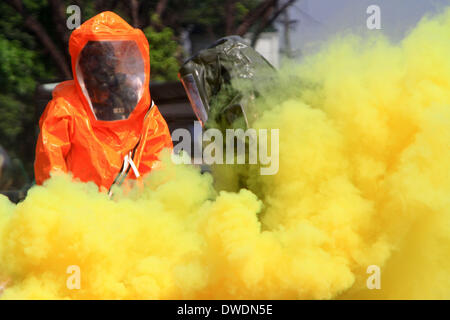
<point x="194" y="97"/>
<point x="112" y="76"/>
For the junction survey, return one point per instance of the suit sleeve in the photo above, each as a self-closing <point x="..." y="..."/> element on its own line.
<point x="157" y="138"/>
<point x="53" y="142"/>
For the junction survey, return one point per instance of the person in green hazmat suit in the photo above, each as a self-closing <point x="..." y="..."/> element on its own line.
<point x="223" y="83"/>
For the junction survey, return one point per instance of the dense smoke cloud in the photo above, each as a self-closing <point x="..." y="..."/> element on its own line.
<point x="364" y="179"/>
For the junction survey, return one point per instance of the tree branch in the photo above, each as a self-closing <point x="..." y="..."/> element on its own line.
<point x="229" y="16"/>
<point x="161" y="7"/>
<point x="59" y="18"/>
<point x="254" y="15"/>
<point x="159" y="11"/>
<point x="268" y="22"/>
<point x="134" y="13"/>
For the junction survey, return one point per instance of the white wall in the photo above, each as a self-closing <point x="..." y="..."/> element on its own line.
<point x="268" y="45"/>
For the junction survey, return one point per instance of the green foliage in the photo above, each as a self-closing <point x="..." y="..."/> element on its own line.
<point x="34" y="6"/>
<point x="164" y="51"/>
<point x="14" y="114"/>
<point x="16" y="67"/>
<point x="210" y="14"/>
<point x="22" y="65"/>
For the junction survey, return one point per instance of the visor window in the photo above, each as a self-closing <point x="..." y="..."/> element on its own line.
<point x="111" y="75"/>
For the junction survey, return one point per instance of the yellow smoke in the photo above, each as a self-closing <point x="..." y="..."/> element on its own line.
<point x="364" y="180"/>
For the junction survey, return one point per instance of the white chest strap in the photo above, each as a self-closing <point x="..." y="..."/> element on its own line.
<point x="128" y="161"/>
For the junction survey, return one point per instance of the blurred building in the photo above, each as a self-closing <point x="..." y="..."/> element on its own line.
<point x="268" y="45"/>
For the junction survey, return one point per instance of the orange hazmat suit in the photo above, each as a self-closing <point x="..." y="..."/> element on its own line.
<point x="103" y="121"/>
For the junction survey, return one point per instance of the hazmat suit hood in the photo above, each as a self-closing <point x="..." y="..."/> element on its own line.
<point x="103" y="122"/>
<point x="111" y="69"/>
<point x="223" y="80"/>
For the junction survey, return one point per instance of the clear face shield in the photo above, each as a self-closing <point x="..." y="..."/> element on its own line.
<point x="111" y="75"/>
<point x="191" y="88"/>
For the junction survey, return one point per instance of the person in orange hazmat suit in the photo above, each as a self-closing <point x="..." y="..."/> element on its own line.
<point x="103" y="125"/>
